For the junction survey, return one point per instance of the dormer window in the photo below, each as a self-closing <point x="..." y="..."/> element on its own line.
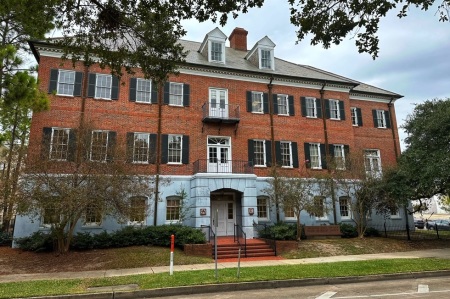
<point x="216" y="52"/>
<point x="213" y="46"/>
<point x="266" y="59"/>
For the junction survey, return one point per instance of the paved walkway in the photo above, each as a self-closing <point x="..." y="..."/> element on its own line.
<point x="439" y="253"/>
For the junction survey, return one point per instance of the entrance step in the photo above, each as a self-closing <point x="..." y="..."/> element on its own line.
<point x="255" y="248"/>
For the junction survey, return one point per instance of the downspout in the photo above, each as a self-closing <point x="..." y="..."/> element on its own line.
<point x="392" y="128"/>
<point x="158" y="150"/>
<point x="327" y="149"/>
<point x="272" y="143"/>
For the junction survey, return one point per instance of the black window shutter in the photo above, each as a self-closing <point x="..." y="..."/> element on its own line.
<point x="53" y="86"/>
<point x="327" y="108"/>
<point x="294" y="155"/>
<point x="319" y="108"/>
<point x="186" y="95"/>
<point x="72" y="145"/>
<point x="111" y="145"/>
<point x="87" y="147"/>
<point x="251" y="151"/>
<point x="388" y="118"/>
<point x="307" y="155"/>
<point x="78" y="84"/>
<point x="130" y="146"/>
<point x="249" y="101"/>
<point x="278" y="152"/>
<point x="331" y="150"/>
<point x="375" y="121"/>
<point x="359" y="116"/>
<point x="185" y="150"/>
<point x="268" y="153"/>
<point x="152" y="157"/>
<point x="266" y="103"/>
<point x="166" y="93"/>
<point x="291" y="105"/>
<point x="46" y="140"/>
<point x="323" y="156"/>
<point x="91" y="85"/>
<point x="347" y="156"/>
<point x="115" y="88"/>
<point x="164" y="148"/>
<point x="154" y="95"/>
<point x="303" y="105"/>
<point x="133" y="83"/>
<point x="341" y="110"/>
<point x="275" y="103"/>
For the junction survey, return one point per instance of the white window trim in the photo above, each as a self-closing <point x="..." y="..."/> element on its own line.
<point x="150" y="92"/>
<point x="272" y="59"/>
<point x="107" y="146"/>
<point x="286" y="218"/>
<point x="262" y="102"/>
<point x="381" y="116"/>
<point x="314" y="101"/>
<point x="370" y="171"/>
<point x="73" y="83"/>
<point x="134" y="148"/>
<point x="140" y="223"/>
<point x="97" y="76"/>
<point x="92" y="224"/>
<point x="267" y="208"/>
<point x="396" y="215"/>
<point x="174" y="221"/>
<point x="324" y="217"/>
<point x="51" y="142"/>
<point x="354" y="116"/>
<point x="342" y="150"/>
<point x="291" y="163"/>
<point x="264" y="153"/>
<point x="181" y="149"/>
<point x="182" y="93"/>
<point x="333" y="102"/>
<point x="350" y="215"/>
<point x="222" y="43"/>
<point x="319" y="155"/>
<point x="287" y="104"/>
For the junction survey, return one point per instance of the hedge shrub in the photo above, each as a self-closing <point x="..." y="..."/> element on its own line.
<point x="348" y="230"/>
<point x="280" y="231"/>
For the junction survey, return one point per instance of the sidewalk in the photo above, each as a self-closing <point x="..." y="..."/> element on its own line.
<point x="438" y="253"/>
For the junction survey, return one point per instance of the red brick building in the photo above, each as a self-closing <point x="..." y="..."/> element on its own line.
<point x="230" y="114"/>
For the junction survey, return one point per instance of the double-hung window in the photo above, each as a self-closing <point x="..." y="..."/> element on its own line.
<point x="99" y="146"/>
<point x="334" y="109"/>
<point x="380" y="119"/>
<point x="257" y="102"/>
<point x="174" y="149"/>
<point x="259" y="150"/>
<point x="319" y="208"/>
<point x="263" y="207"/>
<point x="311" y="107"/>
<point x="59" y="144"/>
<point x="339" y="156"/>
<point x="266" y="59"/>
<point x="93" y="215"/>
<point x="66" y="82"/>
<point x="372" y="162"/>
<point x="283" y="104"/>
<point x="103" y="86"/>
<point x="137" y="209"/>
<point x="49" y="216"/>
<point x="286" y="154"/>
<point x="345" y="207"/>
<point x="315" y="156"/>
<point x="289" y="212"/>
<point x="176" y="94"/>
<point x="173" y="207"/>
<point x="216" y="52"/>
<point x="354" y="113"/>
<point x="141" y="147"/>
<point x="143" y="90"/>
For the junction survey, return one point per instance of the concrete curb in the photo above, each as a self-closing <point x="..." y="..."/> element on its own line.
<point x="228" y="287"/>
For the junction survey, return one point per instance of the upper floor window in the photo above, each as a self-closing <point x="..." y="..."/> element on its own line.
<point x="65" y="82"/>
<point x="59" y="145"/>
<point x="173" y="207"/>
<point x="257" y="102"/>
<point x="101" y="145"/>
<point x="339" y="156"/>
<point x="174" y="148"/>
<point x="137" y="209"/>
<point x="286" y="154"/>
<point x="216" y="51"/>
<point x="141" y="148"/>
<point x="381" y="119"/>
<point x="356" y="116"/>
<point x="311" y="107"/>
<point x="266" y="59"/>
<point x="315" y="156"/>
<point x="103" y="86"/>
<point x="283" y="105"/>
<point x="143" y="91"/>
<point x="259" y="150"/>
<point x="176" y="94"/>
<point x="372" y="162"/>
<point x="263" y="207"/>
<point x="334" y="109"/>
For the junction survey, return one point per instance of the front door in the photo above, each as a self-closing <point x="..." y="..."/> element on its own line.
<point x="219" y="154"/>
<point x="218" y="103"/>
<point x="225" y="213"/>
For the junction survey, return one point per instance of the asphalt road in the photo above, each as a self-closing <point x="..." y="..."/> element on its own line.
<point x="435" y="287"/>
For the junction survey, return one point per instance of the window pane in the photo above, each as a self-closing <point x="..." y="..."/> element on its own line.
<point x="334" y="109"/>
<point x="314" y="155"/>
<point x="344" y="207"/>
<point x="262" y="204"/>
<point x="137" y="209"/>
<point x="99" y="146"/>
<point x="285" y="154"/>
<point x="173" y="209"/>
<point x="93" y="215"/>
<point x="265" y="59"/>
<point x="59" y="146"/>
<point x="257" y="102"/>
<point x="216" y="51"/>
<point x="354" y="116"/>
<point x="259" y="152"/>
<point x="103" y="86"/>
<point x="143" y="91"/>
<point x="311" y="107"/>
<point x="176" y="94"/>
<point x="141" y="148"/>
<point x="282" y="104"/>
<point x="66" y="81"/>
<point x="339" y="157"/>
<point x="174" y="149"/>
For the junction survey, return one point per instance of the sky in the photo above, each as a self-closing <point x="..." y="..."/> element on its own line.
<point x="413" y="59"/>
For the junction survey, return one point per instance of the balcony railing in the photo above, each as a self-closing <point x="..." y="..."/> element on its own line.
<point x="220" y="113"/>
<point x="222" y="166"/>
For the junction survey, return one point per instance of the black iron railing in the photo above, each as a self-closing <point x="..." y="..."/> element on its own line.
<point x="214" y="165"/>
<point x="220" y="111"/>
<point x="240" y="237"/>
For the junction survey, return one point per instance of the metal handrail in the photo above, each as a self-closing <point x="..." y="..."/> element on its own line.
<point x="238" y="230"/>
<point x="217" y="165"/>
<point x="220" y="110"/>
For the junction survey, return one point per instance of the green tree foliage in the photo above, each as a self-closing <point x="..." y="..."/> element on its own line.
<point x="330" y="21"/>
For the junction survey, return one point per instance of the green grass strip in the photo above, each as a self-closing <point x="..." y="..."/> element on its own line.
<point x="186" y="278"/>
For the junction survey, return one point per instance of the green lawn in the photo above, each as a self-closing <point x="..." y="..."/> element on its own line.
<point x="151" y="281"/>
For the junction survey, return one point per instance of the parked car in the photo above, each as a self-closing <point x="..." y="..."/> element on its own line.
<point x="419" y="223"/>
<point x="429" y="224"/>
<point x="442" y="224"/>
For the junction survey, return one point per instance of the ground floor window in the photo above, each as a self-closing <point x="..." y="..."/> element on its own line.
<point x="173" y="208"/>
<point x="263" y="207"/>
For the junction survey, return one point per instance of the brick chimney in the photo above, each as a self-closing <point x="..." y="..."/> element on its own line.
<point x="238" y="39"/>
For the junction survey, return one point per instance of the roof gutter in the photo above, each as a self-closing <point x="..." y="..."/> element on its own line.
<point x="394" y="139"/>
